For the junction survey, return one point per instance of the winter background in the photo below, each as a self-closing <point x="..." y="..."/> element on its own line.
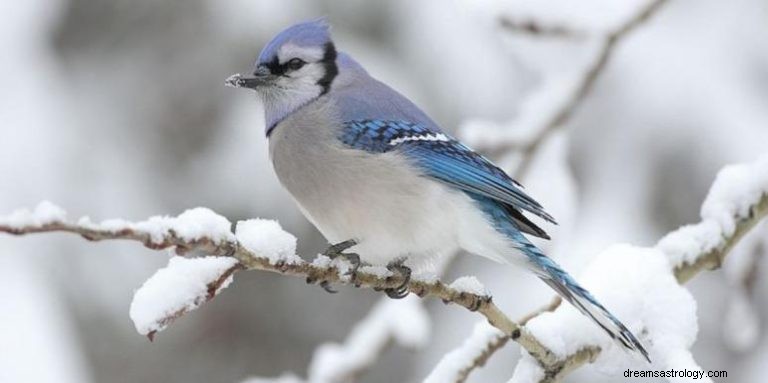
<point x="118" y="109"/>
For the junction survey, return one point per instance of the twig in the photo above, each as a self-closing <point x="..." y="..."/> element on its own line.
<point x="714" y="259"/>
<point x="531" y="27"/>
<point x="583" y="87"/>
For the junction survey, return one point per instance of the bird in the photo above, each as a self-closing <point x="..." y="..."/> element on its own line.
<point x="377" y="176"/>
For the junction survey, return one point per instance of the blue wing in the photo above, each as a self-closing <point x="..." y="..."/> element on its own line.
<point x="444" y="158"/>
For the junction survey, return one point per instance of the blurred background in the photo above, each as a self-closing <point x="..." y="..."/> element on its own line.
<point x="117" y="109"/>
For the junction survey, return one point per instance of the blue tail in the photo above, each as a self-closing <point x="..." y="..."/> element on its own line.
<point x="556" y="277"/>
<point x="568" y="288"/>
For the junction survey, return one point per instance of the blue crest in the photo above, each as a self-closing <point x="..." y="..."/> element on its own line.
<point x="313" y="33"/>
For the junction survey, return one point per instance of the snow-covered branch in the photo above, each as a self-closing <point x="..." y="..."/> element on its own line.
<point x="639" y="284"/>
<point x="648" y="280"/>
<point x="554" y="104"/>
<point x="255" y="245"/>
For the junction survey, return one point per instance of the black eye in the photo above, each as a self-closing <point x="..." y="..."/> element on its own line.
<point x="295" y="64"/>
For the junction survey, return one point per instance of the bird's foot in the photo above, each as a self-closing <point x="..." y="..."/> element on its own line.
<point x="337" y="250"/>
<point x="401" y="291"/>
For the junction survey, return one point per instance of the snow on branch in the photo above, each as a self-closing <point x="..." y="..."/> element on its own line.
<point x="558" y="97"/>
<point x="456" y="365"/>
<point x="182" y="286"/>
<point x="642" y="285"/>
<point x="255" y="245"/>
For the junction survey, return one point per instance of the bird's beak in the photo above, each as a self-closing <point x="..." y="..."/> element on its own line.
<point x="260" y="78"/>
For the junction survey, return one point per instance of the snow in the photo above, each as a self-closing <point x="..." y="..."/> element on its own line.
<point x="638" y="287"/>
<point x="469" y="284"/>
<point x="43" y="214"/>
<point x="406" y="321"/>
<point x="425" y="276"/>
<point x="180" y="287"/>
<point x="447" y="370"/>
<point x="528" y="370"/>
<point x="202" y="222"/>
<point x="736" y="188"/>
<point x="322" y="261"/>
<point x="266" y="238"/>
<point x="378" y="271"/>
<point x="687" y="243"/>
<point x="191" y="225"/>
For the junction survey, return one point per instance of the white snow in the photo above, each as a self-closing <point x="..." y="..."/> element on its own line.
<point x="191" y="225"/>
<point x="201" y="222"/>
<point x="425" y="276"/>
<point x="178" y="288"/>
<point x="322" y="261"/>
<point x="266" y="238"/>
<point x="736" y="188"/>
<point x="528" y="370"/>
<point x="406" y="321"/>
<point x="638" y="287"/>
<point x="469" y="284"/>
<point x="378" y="271"/>
<point x="447" y="370"/>
<point x="43" y="214"/>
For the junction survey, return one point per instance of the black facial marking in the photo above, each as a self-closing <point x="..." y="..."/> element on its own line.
<point x="331" y="70"/>
<point x="275" y="67"/>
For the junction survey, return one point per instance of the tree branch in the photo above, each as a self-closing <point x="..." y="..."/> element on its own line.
<point x="314" y="272"/>
<point x="581" y="89"/>
<point x="714" y="258"/>
<point x="533" y="28"/>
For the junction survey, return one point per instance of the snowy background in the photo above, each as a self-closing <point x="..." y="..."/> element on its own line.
<point x="118" y="109"/>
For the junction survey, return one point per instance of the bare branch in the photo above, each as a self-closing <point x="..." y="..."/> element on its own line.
<point x="533" y="28"/>
<point x="581" y="88"/>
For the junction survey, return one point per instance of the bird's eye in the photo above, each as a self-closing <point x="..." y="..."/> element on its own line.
<point x="295" y="63"/>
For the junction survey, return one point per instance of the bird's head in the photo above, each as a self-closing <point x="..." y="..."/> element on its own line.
<point x="296" y="67"/>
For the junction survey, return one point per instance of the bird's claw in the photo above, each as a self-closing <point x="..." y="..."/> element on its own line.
<point x="337" y="250"/>
<point x="327" y="287"/>
<point x="401" y="291"/>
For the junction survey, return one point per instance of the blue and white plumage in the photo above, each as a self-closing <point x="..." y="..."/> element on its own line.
<point x="364" y="163"/>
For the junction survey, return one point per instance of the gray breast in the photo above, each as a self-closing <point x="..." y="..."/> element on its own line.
<point x="378" y="199"/>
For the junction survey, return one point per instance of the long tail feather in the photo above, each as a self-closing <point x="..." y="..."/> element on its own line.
<point x="570" y="290"/>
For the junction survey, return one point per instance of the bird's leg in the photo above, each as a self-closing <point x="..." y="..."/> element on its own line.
<point x="398" y="267"/>
<point x="337" y="250"/>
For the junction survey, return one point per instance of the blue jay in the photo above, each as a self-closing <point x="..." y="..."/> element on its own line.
<point x="369" y="169"/>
